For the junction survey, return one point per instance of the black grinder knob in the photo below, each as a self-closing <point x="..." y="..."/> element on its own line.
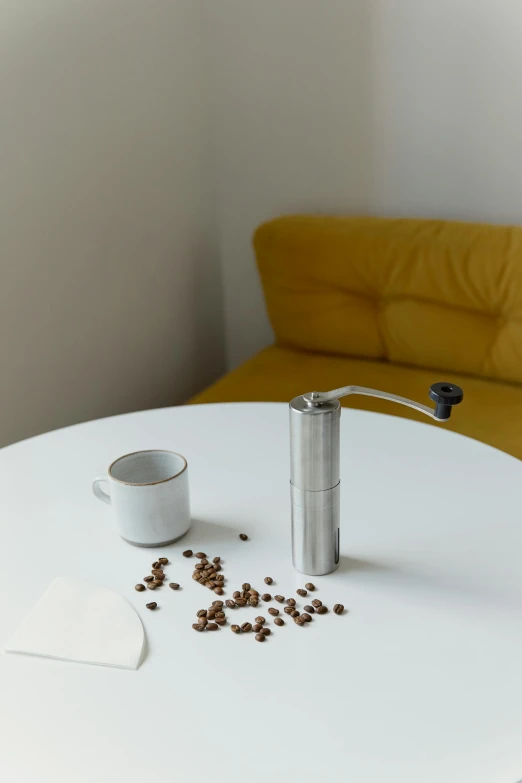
<point x="445" y="395"/>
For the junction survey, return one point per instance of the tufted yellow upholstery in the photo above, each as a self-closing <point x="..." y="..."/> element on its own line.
<point x="375" y="301"/>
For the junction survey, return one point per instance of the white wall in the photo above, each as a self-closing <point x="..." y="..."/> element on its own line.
<point x="110" y="293"/>
<point x="400" y="107"/>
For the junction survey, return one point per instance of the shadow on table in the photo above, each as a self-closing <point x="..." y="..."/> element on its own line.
<point x="204" y="534"/>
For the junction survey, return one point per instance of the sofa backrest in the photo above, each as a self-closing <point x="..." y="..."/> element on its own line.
<point x="430" y="293"/>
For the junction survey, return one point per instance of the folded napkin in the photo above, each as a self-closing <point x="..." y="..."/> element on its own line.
<point x="77" y="621"/>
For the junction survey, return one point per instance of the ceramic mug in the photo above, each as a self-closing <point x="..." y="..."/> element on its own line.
<point x="149" y="492"/>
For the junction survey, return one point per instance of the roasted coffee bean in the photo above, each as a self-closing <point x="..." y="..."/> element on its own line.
<point x="309" y="609"/>
<point x="202" y="620"/>
<point x="240" y="602"/>
<point x="257" y="627"/>
<point x="321" y="609"/>
<point x="199" y="567"/>
<point x="310" y="586"/>
<point x="202" y="613"/>
<point x="140" y="588"/>
<point x="174" y="585"/>
<point x="195" y="576"/>
<point x="204" y="561"/>
<point x="253" y="592"/>
<point x="235" y="629"/>
<point x="218" y="590"/>
<point x="159" y="577"/>
<point x="201" y="555"/>
<point x="253" y="602"/>
<point x="163" y="560"/>
<point x="294" y="613"/>
<point x="152" y="605"/>
<point x="157" y="571"/>
<point x="210" y="581"/>
<point x="299" y="620"/>
<point x="198" y="627"/>
<point x="316" y="602"/>
<point x="260" y="620"/>
<point x="220" y="577"/>
<point x="209" y="586"/>
<point x="212" y="627"/>
<point x="156" y="583"/>
<point x="279" y="598"/>
<point x="279" y="621"/>
<point x="188" y="553"/>
<point x="307" y="617"/>
<point x="217" y="567"/>
<point x="260" y="637"/>
<point x="220" y="614"/>
<point x="236" y="594"/>
<point x="246" y="627"/>
<point x="273" y="610"/>
<point x="289" y="609"/>
<point x="148" y="578"/>
<point x="221" y="620"/>
<point x="151" y="585"/>
<point x="231" y="604"/>
<point x="268" y="580"/>
<point x="156" y="564"/>
<point x="338" y="608"/>
<point x="301" y="592"/>
<point x="217" y="602"/>
<point x="266" y="597"/>
<point x="243" y="537"/>
<point x="216" y="560"/>
<point x="245" y="586"/>
<point x="266" y="631"/>
<point x="211" y="614"/>
<point x="290" y="601"/>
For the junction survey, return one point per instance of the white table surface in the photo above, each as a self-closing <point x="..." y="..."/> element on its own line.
<point x="421" y="682"/>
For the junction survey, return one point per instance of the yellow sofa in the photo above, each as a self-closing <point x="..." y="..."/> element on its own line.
<point x="395" y="305"/>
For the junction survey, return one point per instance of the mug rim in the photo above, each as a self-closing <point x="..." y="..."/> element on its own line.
<point x="147" y="483"/>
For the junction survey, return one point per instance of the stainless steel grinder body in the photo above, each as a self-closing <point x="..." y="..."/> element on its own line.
<point x="315" y="421"/>
<point x="315" y="485"/>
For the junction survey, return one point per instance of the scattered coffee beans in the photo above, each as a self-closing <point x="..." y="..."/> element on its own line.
<point x="202" y="620"/>
<point x="199" y="567"/>
<point x="231" y="604"/>
<point x="310" y="586"/>
<point x="236" y="594"/>
<point x="217" y="567"/>
<point x="245" y="586"/>
<point x="148" y="578"/>
<point x="243" y="537"/>
<point x="316" y="602"/>
<point x="140" y="588"/>
<point x="159" y="577"/>
<point x="195" y="576"/>
<point x="152" y="585"/>
<point x="257" y="627"/>
<point x="268" y="580"/>
<point x="246" y="627"/>
<point x="218" y="590"/>
<point x="211" y="614"/>
<point x="253" y="602"/>
<point x="279" y="598"/>
<point x="205" y="562"/>
<point x="198" y="627"/>
<point x="221" y="620"/>
<point x="301" y="592"/>
<point x="216" y="560"/>
<point x="163" y="560"/>
<point x="174" y="585"/>
<point x="220" y="614"/>
<point x="299" y="620"/>
<point x="235" y="629"/>
<point x="152" y="605"/>
<point x="273" y="610"/>
<point x="265" y="631"/>
<point x="266" y="597"/>
<point x="201" y="555"/>
<point x="289" y="609"/>
<point x="260" y="620"/>
<point x="240" y="602"/>
<point x="260" y="637"/>
<point x="188" y="553"/>
<point x="338" y="608"/>
<point x="212" y="627"/>
<point x="279" y="621"/>
<point x="156" y="564"/>
<point x="307" y="617"/>
<point x="202" y="613"/>
<point x="309" y="609"/>
<point x="217" y="602"/>
<point x="321" y="609"/>
<point x="294" y="613"/>
<point x="290" y="601"/>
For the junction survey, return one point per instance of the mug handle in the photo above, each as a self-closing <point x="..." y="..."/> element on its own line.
<point x="98" y="491"/>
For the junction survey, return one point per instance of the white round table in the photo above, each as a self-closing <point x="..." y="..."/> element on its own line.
<point x="421" y="680"/>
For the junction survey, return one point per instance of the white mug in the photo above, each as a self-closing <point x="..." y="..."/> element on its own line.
<point x="149" y="492"/>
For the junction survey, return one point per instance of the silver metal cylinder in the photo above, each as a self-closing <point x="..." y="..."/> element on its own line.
<point x="315" y="485"/>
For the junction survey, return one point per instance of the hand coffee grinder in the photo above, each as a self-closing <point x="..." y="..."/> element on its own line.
<point x="315" y="470"/>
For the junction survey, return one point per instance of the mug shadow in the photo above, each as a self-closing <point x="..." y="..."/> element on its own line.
<point x="354" y="564"/>
<point x="205" y="533"/>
